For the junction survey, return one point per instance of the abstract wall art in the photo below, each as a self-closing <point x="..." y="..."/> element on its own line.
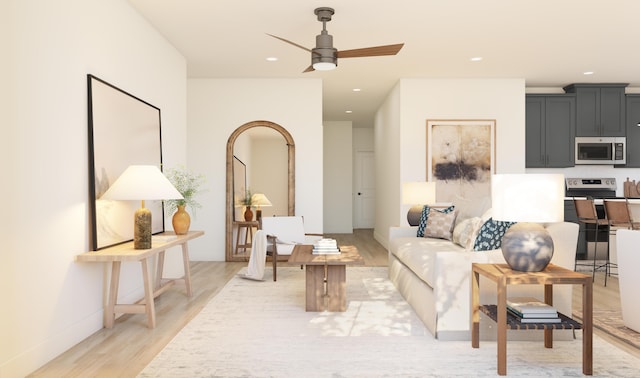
<point x="461" y="158"/>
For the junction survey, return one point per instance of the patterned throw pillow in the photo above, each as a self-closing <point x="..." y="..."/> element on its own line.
<point x="440" y="224"/>
<point x="490" y="235"/>
<point x="425" y="216"/>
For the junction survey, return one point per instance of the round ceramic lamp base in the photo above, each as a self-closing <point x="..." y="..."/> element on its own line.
<point x="527" y="247"/>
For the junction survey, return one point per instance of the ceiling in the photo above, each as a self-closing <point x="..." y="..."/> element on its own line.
<point x="548" y="43"/>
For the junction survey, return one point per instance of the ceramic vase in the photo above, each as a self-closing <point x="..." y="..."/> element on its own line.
<point x="248" y="214"/>
<point x="527" y="247"/>
<point x="181" y="221"/>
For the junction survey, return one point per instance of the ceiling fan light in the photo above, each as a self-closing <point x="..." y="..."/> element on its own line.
<point x="324" y="66"/>
<point x="324" y="59"/>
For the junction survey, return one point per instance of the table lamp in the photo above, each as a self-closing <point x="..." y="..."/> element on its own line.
<point x="140" y="183"/>
<point x="529" y="199"/>
<point x="417" y="194"/>
<point x="259" y="199"/>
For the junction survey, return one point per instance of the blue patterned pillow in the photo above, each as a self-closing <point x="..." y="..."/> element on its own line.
<point x="490" y="235"/>
<point x="425" y="215"/>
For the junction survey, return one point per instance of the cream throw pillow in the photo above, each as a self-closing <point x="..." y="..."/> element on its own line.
<point x="465" y="232"/>
<point x="440" y="225"/>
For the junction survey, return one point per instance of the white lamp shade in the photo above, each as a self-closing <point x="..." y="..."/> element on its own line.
<point x="259" y="199"/>
<point x="418" y="193"/>
<point x="537" y="198"/>
<point x="142" y="182"/>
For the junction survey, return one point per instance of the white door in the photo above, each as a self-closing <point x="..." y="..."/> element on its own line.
<point x="365" y="190"/>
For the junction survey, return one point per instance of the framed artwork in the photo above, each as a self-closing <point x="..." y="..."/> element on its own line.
<point x="461" y="158"/>
<point x="239" y="186"/>
<point x="123" y="130"/>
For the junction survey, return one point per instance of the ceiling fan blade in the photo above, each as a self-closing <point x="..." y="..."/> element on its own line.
<point x="371" y="51"/>
<point x="289" y="42"/>
<point x="309" y="69"/>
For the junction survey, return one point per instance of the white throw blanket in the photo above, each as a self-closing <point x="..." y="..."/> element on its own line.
<point x="255" y="269"/>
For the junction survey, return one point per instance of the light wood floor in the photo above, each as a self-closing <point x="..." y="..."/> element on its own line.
<point x="129" y="346"/>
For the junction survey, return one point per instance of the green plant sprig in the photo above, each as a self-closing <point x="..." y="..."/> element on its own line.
<point x="188" y="184"/>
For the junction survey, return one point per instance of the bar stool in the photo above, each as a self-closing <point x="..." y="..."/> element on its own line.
<point x="618" y="217"/>
<point x="587" y="215"/>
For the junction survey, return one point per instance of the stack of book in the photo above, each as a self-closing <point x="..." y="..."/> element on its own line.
<point x="531" y="310"/>
<point x="325" y="247"/>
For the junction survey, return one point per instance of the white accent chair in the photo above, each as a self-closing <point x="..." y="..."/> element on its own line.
<point x="628" y="254"/>
<point x="283" y="233"/>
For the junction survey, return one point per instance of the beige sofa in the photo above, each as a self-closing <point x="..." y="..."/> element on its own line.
<point x="434" y="276"/>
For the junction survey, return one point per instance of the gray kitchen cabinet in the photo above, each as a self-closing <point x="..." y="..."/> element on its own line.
<point x="633" y="131"/>
<point x="550" y="130"/>
<point x="600" y="109"/>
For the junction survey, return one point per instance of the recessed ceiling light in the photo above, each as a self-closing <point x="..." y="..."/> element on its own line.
<point x="588" y="73"/>
<point x="357" y="89"/>
<point x="272" y="59"/>
<point x="348" y="111"/>
<point x="476" y="59"/>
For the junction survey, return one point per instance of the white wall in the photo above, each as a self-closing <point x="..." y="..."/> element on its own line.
<point x="387" y="128"/>
<point x="338" y="174"/>
<point x="216" y="107"/>
<point x="401" y="131"/>
<point x="50" y="302"/>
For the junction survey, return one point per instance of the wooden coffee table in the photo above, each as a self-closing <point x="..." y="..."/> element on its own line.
<point x="331" y="269"/>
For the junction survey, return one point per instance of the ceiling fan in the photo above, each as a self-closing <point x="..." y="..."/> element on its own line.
<point x="324" y="56"/>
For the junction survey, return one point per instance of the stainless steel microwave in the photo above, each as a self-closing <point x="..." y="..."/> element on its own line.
<point x="601" y="150"/>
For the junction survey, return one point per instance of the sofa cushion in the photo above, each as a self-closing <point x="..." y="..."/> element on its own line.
<point x="490" y="235"/>
<point x="466" y="231"/>
<point x="440" y="224"/>
<point x="425" y="217"/>
<point x="419" y="254"/>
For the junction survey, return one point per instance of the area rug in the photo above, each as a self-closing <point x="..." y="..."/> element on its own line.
<point x="260" y="329"/>
<point x="610" y="321"/>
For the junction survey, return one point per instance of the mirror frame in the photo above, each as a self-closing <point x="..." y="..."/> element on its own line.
<point x="122" y="130"/>
<point x="291" y="185"/>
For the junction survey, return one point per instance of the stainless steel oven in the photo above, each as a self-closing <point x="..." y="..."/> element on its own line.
<point x="598" y="189"/>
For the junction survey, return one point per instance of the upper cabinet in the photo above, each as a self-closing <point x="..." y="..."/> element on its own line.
<point x="550" y="125"/>
<point x="600" y="109"/>
<point x="633" y="131"/>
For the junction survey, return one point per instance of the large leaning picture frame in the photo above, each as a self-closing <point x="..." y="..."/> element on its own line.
<point x="461" y="158"/>
<point x="123" y="130"/>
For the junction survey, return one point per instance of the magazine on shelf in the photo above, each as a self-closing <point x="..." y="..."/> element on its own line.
<point x="540" y="320"/>
<point x="547" y="315"/>
<point x="529" y="306"/>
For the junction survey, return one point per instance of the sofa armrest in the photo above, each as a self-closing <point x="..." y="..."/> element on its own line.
<point x="403" y="231"/>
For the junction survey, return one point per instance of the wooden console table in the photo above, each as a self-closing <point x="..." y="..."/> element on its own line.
<point x="503" y="275"/>
<point x="125" y="252"/>
<point x="248" y="236"/>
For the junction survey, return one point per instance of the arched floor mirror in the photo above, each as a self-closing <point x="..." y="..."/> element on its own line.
<point x="230" y="254"/>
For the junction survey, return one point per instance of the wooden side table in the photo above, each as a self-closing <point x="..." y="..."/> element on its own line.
<point x="248" y="235"/>
<point x="503" y="275"/>
<point x="125" y="252"/>
<point x="325" y="268"/>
